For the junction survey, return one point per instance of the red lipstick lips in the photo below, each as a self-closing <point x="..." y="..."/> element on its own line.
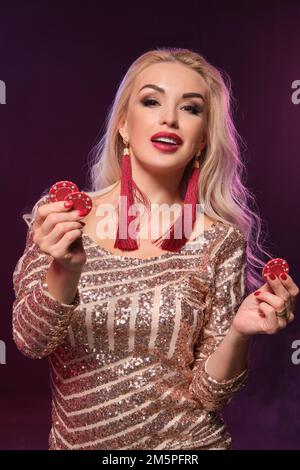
<point x="169" y="135"/>
<point x="169" y="147"/>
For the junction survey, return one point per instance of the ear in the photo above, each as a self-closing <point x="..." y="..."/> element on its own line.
<point x="201" y="146"/>
<point x="123" y="128"/>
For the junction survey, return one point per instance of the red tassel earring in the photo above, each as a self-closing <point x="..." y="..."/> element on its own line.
<point x="123" y="240"/>
<point x="188" y="213"/>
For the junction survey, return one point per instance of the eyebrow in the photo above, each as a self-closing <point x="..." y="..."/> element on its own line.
<point x="161" y="90"/>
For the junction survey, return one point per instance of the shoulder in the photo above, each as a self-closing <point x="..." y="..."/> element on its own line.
<point x="108" y="195"/>
<point x="103" y="206"/>
<point x="233" y="233"/>
<point x="231" y="241"/>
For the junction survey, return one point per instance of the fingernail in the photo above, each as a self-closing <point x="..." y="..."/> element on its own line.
<point x="283" y="276"/>
<point x="272" y="276"/>
<point x="81" y="222"/>
<point x="257" y="292"/>
<point x="69" y="204"/>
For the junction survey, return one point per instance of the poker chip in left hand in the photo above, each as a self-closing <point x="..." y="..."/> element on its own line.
<point x="275" y="266"/>
<point x="82" y="202"/>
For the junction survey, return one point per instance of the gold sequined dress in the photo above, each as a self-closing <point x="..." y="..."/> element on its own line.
<point x="127" y="359"/>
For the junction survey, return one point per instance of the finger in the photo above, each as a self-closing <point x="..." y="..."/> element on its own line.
<point x="290" y="317"/>
<point x="276" y="302"/>
<point x="55" y="218"/>
<point x="60" y="249"/>
<point x="289" y="284"/>
<point x="278" y="288"/>
<point x="59" y="231"/>
<point x="272" y="322"/>
<point x="46" y="209"/>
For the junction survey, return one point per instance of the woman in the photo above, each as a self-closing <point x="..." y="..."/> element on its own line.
<point x="147" y="343"/>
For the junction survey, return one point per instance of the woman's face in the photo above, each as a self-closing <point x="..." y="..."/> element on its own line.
<point x="151" y="111"/>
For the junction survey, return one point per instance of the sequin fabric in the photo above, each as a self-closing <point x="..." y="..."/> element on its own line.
<point x="128" y="357"/>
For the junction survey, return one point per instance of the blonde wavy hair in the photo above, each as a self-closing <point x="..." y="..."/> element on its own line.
<point x="221" y="188"/>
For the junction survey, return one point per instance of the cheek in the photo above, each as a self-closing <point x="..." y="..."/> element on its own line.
<point x="135" y="119"/>
<point x="194" y="135"/>
<point x="199" y="132"/>
<point x="141" y="124"/>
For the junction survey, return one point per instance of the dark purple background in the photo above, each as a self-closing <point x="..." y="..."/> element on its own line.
<point x="62" y="63"/>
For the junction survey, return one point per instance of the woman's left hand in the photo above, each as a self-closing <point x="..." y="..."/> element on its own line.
<point x="257" y="313"/>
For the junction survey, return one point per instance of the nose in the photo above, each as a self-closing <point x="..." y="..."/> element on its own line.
<point x="169" y="117"/>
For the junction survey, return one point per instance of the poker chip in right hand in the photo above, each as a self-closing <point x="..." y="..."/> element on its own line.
<point x="60" y="190"/>
<point x="275" y="266"/>
<point x="82" y="202"/>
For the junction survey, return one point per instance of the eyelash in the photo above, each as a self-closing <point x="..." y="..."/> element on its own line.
<point x="195" y="109"/>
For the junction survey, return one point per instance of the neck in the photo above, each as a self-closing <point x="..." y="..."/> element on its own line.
<point x="159" y="188"/>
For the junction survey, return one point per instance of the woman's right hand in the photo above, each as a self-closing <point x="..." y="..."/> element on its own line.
<point x="57" y="231"/>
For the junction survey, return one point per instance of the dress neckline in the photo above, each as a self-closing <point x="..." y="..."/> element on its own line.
<point x="166" y="254"/>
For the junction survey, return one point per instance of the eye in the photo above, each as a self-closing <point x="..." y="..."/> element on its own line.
<point x="193" y="109"/>
<point x="147" y="102"/>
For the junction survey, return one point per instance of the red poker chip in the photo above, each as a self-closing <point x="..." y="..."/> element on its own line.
<point x="60" y="190"/>
<point x="82" y="202"/>
<point x="275" y="266"/>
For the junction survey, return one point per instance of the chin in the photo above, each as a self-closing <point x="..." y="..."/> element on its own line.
<point x="160" y="164"/>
